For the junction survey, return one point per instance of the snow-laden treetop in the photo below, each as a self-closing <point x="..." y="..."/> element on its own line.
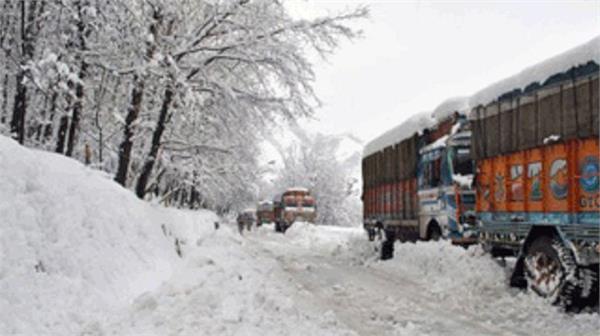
<point x="414" y="124"/>
<point x="449" y="106"/>
<point x="539" y="72"/>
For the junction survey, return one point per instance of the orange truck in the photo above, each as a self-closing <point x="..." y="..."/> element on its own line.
<point x="537" y="180"/>
<point x="296" y="204"/>
<point x="534" y="192"/>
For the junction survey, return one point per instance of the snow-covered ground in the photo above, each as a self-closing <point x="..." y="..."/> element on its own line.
<point x="81" y="255"/>
<point x="427" y="289"/>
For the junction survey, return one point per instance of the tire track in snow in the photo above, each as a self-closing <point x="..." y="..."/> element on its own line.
<point x="371" y="301"/>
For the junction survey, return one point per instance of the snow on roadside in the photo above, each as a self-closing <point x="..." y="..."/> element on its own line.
<point x="465" y="282"/>
<point x="224" y="287"/>
<point x="331" y="240"/>
<point x="74" y="245"/>
<point x="471" y="282"/>
<point x="81" y="255"/>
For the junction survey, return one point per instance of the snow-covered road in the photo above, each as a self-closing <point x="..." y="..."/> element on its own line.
<point x="370" y="300"/>
<point x="79" y="255"/>
<point x="335" y="274"/>
<point x="328" y="281"/>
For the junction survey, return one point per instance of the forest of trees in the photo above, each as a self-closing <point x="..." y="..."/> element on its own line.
<point x="315" y="163"/>
<point x="171" y="97"/>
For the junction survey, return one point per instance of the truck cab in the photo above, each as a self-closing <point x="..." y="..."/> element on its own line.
<point x="444" y="178"/>
<point x="264" y="213"/>
<point x="295" y="204"/>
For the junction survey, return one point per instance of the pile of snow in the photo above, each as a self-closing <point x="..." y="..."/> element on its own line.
<point x="448" y="269"/>
<point x="80" y="255"/>
<point x="449" y="106"/>
<point x="414" y="124"/>
<point x="579" y="55"/>
<point x="74" y="244"/>
<point x="223" y="287"/>
<point x="470" y="281"/>
<point x="464" y="181"/>
<point x="328" y="239"/>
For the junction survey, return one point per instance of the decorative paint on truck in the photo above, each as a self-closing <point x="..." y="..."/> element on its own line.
<point x="446" y="197"/>
<point x="414" y="189"/>
<point x="534" y="142"/>
<point x="537" y="178"/>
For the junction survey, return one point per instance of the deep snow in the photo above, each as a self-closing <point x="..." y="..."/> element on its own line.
<point x="81" y="255"/>
<point x="579" y="55"/>
<point x="429" y="288"/>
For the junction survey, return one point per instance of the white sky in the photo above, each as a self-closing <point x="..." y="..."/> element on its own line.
<point x="414" y="55"/>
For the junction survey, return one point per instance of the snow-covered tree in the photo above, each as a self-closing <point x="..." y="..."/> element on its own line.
<point x="315" y="163"/>
<point x="172" y="97"/>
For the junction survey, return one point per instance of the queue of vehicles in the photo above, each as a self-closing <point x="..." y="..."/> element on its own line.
<point x="515" y="168"/>
<point x="294" y="205"/>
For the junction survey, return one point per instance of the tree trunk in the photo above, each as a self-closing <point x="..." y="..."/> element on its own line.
<point x="48" y="128"/>
<point x="62" y="131"/>
<point x="17" y="123"/>
<point x="79" y="87"/>
<point x="4" y="112"/>
<point x="140" y="189"/>
<point x="137" y="93"/>
<point x="75" y="117"/>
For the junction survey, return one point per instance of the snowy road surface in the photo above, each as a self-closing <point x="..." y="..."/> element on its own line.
<point x="79" y="255"/>
<point x="327" y="281"/>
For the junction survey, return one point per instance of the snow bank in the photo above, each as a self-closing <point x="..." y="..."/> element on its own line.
<point x="333" y="240"/>
<point x="74" y="244"/>
<point x="449" y="106"/>
<point x="471" y="282"/>
<point x="579" y="55"/>
<point x="79" y="255"/>
<point x="414" y="124"/>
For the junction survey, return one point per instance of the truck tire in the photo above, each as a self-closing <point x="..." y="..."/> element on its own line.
<point x="551" y="272"/>
<point x="434" y="232"/>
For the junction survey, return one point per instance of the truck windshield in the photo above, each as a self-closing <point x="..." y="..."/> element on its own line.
<point x="462" y="163"/>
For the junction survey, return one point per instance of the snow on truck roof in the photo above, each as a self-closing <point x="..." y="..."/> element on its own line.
<point x="449" y="106"/>
<point x="412" y="125"/>
<point x="539" y="72"/>
<point x="579" y="55"/>
<point x="299" y="189"/>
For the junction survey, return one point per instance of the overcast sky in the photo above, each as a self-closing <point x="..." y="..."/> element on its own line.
<point x="414" y="55"/>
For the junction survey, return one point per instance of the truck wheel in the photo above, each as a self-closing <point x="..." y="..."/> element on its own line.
<point x="590" y="279"/>
<point x="435" y="233"/>
<point x="551" y="272"/>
